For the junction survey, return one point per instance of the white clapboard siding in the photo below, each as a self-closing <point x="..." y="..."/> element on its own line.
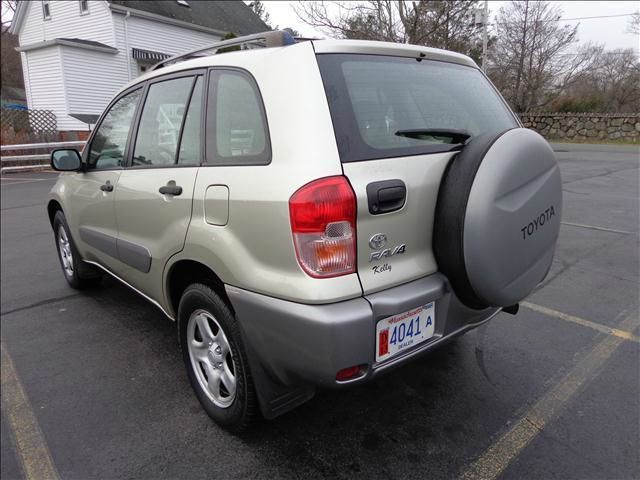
<point x="32" y="28"/>
<point x="25" y="75"/>
<point x="66" y="22"/>
<point x="68" y="79"/>
<point x="46" y="87"/>
<point x="91" y="79"/>
<point x="156" y="36"/>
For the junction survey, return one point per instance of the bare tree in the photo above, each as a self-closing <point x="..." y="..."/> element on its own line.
<point x="348" y="20"/>
<point x="610" y="84"/>
<point x="530" y="58"/>
<point x="258" y="8"/>
<point x="8" y="9"/>
<point x="10" y="66"/>
<point x="440" y="24"/>
<point x="634" y="24"/>
<point x="618" y="75"/>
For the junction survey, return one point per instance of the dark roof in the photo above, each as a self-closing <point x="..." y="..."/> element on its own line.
<point x="72" y="42"/>
<point x="225" y="16"/>
<point x="88" y="43"/>
<point x="85" y="118"/>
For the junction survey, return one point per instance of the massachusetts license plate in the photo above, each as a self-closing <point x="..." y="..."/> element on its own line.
<point x="403" y="331"/>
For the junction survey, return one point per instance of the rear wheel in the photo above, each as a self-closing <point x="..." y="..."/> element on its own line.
<point x="215" y="358"/>
<point x="78" y="274"/>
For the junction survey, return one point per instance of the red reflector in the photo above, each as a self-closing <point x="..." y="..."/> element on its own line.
<point x="349" y="373"/>
<point x="383" y="342"/>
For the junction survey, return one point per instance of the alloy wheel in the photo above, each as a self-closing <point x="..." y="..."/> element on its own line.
<point x="211" y="358"/>
<point x="64" y="250"/>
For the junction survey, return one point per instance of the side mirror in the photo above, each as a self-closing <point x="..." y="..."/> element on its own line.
<point x="66" y="160"/>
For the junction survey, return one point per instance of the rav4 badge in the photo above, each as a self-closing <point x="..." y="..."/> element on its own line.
<point x="388" y="252"/>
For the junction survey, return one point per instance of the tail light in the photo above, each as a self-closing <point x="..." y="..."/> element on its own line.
<point x="323" y="222"/>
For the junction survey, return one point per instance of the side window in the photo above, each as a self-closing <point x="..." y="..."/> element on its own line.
<point x="110" y="140"/>
<point x="189" y="153"/>
<point x="157" y="140"/>
<point x="236" y="125"/>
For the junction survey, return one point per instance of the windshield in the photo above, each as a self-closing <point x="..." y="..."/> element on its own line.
<point x="373" y="97"/>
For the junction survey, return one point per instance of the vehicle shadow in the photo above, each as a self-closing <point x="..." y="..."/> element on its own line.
<point x="417" y="415"/>
<point x="386" y="428"/>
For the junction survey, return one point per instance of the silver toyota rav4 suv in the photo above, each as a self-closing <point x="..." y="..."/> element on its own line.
<point x="311" y="214"/>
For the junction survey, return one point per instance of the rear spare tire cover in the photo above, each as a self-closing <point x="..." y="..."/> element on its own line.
<point x="498" y="217"/>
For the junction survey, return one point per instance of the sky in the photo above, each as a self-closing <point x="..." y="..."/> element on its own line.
<point x="610" y="31"/>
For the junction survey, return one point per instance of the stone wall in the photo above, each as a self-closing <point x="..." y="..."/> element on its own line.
<point x="585" y="126"/>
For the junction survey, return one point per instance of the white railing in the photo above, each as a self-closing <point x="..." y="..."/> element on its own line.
<point x="38" y="160"/>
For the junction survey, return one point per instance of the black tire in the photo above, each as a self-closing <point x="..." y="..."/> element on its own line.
<point x="241" y="413"/>
<point x="80" y="275"/>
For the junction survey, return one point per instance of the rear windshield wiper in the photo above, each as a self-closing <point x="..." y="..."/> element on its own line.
<point x="455" y="136"/>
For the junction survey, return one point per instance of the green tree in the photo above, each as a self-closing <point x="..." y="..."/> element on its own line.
<point x="229" y="36"/>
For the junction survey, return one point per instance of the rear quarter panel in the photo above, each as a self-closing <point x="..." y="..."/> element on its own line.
<point x="255" y="250"/>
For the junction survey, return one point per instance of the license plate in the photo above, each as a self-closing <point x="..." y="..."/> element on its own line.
<point x="403" y="331"/>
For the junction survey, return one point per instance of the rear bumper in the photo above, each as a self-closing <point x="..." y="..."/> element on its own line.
<point x="299" y="347"/>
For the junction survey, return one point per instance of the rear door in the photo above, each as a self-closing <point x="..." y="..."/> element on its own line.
<point x="155" y="191"/>
<point x="377" y="103"/>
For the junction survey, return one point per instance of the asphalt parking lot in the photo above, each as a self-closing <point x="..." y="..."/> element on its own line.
<point x="93" y="384"/>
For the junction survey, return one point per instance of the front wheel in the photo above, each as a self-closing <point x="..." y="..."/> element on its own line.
<point x="78" y="274"/>
<point x="215" y="358"/>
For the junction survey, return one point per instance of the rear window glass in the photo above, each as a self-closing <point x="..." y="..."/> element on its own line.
<point x="372" y="97"/>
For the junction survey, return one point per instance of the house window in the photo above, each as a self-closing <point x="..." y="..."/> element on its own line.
<point x="46" y="11"/>
<point x="144" y="66"/>
<point x="84" y="7"/>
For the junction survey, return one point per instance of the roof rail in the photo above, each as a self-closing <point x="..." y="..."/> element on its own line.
<point x="275" y="38"/>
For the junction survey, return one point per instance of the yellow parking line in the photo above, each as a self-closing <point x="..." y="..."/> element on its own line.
<point x="581" y="321"/>
<point x="31" y="447"/>
<point x="500" y="454"/>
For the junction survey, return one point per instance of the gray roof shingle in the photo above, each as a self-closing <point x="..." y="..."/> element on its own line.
<point x="226" y="16"/>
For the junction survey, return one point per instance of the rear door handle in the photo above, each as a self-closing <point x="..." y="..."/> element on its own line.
<point x="386" y="196"/>
<point x="107" y="187"/>
<point x="171" y="189"/>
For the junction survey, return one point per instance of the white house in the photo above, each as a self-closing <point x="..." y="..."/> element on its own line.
<point x="77" y="53"/>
